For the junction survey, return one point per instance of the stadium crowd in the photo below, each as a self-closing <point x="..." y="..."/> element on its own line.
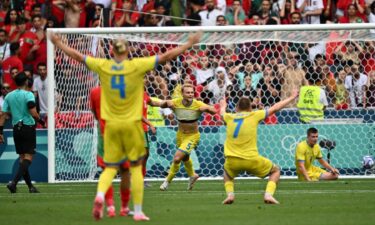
<point x="264" y="71"/>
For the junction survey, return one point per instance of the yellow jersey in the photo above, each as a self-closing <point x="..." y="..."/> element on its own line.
<point x="241" y="138"/>
<point x="307" y="154"/>
<point x="122" y="86"/>
<point x="187" y="113"/>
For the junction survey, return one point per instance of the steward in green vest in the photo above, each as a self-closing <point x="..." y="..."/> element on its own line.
<point x="312" y="99"/>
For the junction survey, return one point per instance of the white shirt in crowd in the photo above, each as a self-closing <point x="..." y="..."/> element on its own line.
<point x="4" y="51"/>
<point x="323" y="97"/>
<point x="209" y="18"/>
<point x="355" y="88"/>
<point x="40" y="86"/>
<point x="203" y="75"/>
<point x="371" y="19"/>
<point x="311" y="5"/>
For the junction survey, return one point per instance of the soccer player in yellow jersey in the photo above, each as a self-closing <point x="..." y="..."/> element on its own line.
<point x="307" y="151"/>
<point x="187" y="110"/>
<point x="121" y="107"/>
<point x="240" y="147"/>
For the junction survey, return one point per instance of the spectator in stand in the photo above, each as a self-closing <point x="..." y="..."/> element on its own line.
<point x="94" y="21"/>
<point x="295" y="18"/>
<point x="151" y="20"/>
<point x="248" y="90"/>
<point x="221" y="21"/>
<point x="126" y="18"/>
<point x="350" y="52"/>
<point x="38" y="27"/>
<point x="12" y="61"/>
<point x="163" y="18"/>
<point x="269" y="88"/>
<point x="265" y="13"/>
<point x="235" y="14"/>
<point x="5" y="89"/>
<point x="4" y="8"/>
<point x="294" y="77"/>
<point x="71" y="10"/>
<point x="4" y="48"/>
<point x="28" y="42"/>
<point x="40" y="87"/>
<point x="287" y="8"/>
<point x="371" y="15"/>
<point x="218" y="86"/>
<point x="341" y="96"/>
<point x="328" y="15"/>
<point x="204" y="71"/>
<point x="311" y="10"/>
<point x="342" y="6"/>
<point x="10" y="24"/>
<point x="351" y="15"/>
<point x="370" y="90"/>
<point x="254" y="19"/>
<point x="256" y="75"/>
<point x="208" y="16"/>
<point x="355" y="83"/>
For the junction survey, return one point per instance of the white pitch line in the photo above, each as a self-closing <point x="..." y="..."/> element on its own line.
<point x="152" y="194"/>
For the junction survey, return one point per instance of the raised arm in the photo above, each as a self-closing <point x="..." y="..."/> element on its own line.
<point x="173" y="53"/>
<point x="74" y="54"/>
<point x="166" y="104"/>
<point x="280" y="105"/>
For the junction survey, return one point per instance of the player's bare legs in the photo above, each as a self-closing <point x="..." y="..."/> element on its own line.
<point x="271" y="186"/>
<point x="229" y="189"/>
<point x="329" y="176"/>
<point x="193" y="177"/>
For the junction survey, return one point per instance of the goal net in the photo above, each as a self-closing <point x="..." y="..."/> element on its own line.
<point x="264" y="63"/>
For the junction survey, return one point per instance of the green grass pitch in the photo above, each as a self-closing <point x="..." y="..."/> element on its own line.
<point x="349" y="202"/>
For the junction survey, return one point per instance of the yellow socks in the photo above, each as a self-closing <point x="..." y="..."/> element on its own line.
<point x="229" y="187"/>
<point x="189" y="167"/>
<point x="271" y="187"/>
<point x="106" y="178"/>
<point x="136" y="182"/>
<point x="175" y="167"/>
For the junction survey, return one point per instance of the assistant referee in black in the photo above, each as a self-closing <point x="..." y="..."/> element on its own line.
<point x="20" y="105"/>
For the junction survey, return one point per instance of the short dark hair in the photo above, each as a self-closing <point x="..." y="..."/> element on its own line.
<point x="36" y="16"/>
<point x="20" y="79"/>
<point x="14" y="47"/>
<point x="21" y="20"/>
<point x="244" y="104"/>
<point x="3" y="31"/>
<point x="41" y="64"/>
<point x="36" y="5"/>
<point x="312" y="130"/>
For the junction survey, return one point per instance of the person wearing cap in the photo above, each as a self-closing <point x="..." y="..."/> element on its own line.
<point x="20" y="105"/>
<point x="121" y="107"/>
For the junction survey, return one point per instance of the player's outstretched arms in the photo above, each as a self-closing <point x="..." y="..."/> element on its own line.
<point x="280" y="105"/>
<point x="74" y="54"/>
<point x="167" y="104"/>
<point x="173" y="53"/>
<point x="208" y="109"/>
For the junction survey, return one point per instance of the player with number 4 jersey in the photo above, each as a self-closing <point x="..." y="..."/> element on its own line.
<point x="240" y="147"/>
<point x="121" y="80"/>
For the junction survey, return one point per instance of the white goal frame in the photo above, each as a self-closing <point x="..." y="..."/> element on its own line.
<point x="133" y="30"/>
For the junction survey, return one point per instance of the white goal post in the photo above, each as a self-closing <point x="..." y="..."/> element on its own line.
<point x="263" y="49"/>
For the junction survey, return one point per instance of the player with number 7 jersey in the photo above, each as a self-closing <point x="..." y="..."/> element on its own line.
<point x="121" y="79"/>
<point x="240" y="147"/>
